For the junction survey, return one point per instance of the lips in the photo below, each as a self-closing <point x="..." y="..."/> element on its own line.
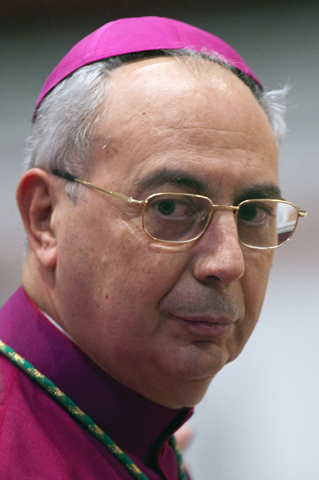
<point x="206" y="325"/>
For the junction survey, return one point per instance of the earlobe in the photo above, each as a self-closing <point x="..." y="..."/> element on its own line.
<point x="36" y="201"/>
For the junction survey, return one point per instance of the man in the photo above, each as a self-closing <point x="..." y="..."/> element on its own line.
<point x="152" y="210"/>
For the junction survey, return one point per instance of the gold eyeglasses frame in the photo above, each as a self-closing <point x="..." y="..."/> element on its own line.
<point x="143" y="203"/>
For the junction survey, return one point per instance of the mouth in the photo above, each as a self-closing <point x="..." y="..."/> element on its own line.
<point x="206" y="325"/>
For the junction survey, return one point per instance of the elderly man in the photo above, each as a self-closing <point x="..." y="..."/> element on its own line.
<point x="152" y="210"/>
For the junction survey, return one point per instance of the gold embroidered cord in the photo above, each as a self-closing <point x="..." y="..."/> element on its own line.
<point x="74" y="411"/>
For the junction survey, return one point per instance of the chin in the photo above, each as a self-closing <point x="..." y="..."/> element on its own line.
<point x="185" y="393"/>
<point x="188" y="394"/>
<point x="202" y="362"/>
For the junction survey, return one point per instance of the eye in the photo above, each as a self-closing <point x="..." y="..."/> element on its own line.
<point x="166" y="207"/>
<point x="176" y="208"/>
<point x="256" y="213"/>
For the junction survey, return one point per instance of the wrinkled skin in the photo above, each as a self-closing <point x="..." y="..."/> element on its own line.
<point x="162" y="319"/>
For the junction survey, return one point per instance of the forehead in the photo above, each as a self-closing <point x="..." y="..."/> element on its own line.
<point x="165" y="113"/>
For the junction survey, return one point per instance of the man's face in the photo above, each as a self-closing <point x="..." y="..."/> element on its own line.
<point x="164" y="319"/>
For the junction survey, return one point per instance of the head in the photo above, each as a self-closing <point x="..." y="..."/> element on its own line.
<point x="162" y="318"/>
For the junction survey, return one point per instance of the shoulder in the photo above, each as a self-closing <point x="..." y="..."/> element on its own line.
<point x="37" y="436"/>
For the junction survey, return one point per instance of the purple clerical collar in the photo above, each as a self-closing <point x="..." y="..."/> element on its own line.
<point x="132" y="421"/>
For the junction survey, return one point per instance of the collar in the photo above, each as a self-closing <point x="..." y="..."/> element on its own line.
<point x="132" y="421"/>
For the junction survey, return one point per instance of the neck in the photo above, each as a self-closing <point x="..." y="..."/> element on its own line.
<point x="39" y="284"/>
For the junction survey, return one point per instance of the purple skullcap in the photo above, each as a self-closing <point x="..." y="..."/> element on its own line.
<point x="130" y="35"/>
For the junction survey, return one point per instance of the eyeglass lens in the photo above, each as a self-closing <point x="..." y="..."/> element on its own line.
<point x="176" y="218"/>
<point x="266" y="223"/>
<point x="183" y="217"/>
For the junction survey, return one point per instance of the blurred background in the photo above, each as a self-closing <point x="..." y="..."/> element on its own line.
<point x="260" y="417"/>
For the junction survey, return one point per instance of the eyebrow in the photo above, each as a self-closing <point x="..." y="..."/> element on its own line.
<point x="178" y="178"/>
<point x="268" y="190"/>
<point x="183" y="179"/>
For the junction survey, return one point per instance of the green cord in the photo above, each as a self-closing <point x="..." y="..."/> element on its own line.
<point x="69" y="406"/>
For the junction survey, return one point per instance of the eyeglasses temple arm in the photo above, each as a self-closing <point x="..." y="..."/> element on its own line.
<point x="73" y="178"/>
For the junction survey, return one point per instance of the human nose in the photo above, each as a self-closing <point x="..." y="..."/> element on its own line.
<point x="218" y="253"/>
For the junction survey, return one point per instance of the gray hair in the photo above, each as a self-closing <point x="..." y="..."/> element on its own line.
<point x="62" y="133"/>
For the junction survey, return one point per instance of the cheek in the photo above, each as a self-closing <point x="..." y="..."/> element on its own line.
<point x="253" y="285"/>
<point x="137" y="279"/>
<point x="117" y="269"/>
<point x="118" y="310"/>
<point x="258" y="265"/>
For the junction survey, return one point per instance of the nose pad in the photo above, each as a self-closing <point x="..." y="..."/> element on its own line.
<point x="205" y="218"/>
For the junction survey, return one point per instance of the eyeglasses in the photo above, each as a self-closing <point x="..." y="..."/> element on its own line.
<point x="183" y="217"/>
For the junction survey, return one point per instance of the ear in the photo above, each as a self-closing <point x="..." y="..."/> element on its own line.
<point x="36" y="195"/>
